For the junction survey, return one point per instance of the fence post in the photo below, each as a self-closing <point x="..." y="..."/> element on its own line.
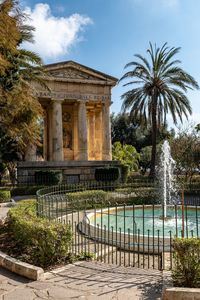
<point x="182" y="198"/>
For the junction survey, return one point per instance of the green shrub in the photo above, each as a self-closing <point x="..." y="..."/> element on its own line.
<point x="46" y="242"/>
<point x="107" y="174"/>
<point x="47" y="177"/>
<point x="193" y="186"/>
<point x="98" y="198"/>
<point x="143" y="195"/>
<point x="4" y="196"/>
<point x="186" y="270"/>
<point x="87" y="199"/>
<point x="140" y="179"/>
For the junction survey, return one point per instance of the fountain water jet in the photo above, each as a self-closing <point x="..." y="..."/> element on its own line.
<point x="166" y="177"/>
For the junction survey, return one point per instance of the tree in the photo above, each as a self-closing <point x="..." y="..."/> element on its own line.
<point x="127" y="155"/>
<point x="128" y="131"/>
<point x="19" y="108"/>
<point x="185" y="150"/>
<point x="9" y="34"/>
<point x="159" y="88"/>
<point x="10" y="153"/>
<point x="145" y="159"/>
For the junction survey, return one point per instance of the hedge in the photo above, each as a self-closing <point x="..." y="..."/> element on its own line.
<point x="146" y="195"/>
<point x="97" y="198"/>
<point x="26" y="190"/>
<point x="48" y="177"/>
<point x="186" y="270"/>
<point x="124" y="173"/>
<point x="87" y="199"/>
<point x="4" y="196"/>
<point x="45" y="242"/>
<point x="107" y="174"/>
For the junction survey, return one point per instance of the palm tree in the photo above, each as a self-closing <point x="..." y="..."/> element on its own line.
<point x="159" y="88"/>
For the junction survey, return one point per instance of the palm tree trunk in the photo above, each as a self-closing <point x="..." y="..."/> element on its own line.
<point x="152" y="173"/>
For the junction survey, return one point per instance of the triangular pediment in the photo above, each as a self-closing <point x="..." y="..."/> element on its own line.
<point x="73" y="71"/>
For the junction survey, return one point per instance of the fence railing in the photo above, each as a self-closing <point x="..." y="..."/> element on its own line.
<point x="119" y="223"/>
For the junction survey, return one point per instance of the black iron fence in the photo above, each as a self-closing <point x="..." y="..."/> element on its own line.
<point x="121" y="224"/>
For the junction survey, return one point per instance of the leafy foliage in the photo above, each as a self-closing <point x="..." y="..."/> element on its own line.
<point x="87" y="199"/>
<point x="19" y="109"/>
<point x="47" y="177"/>
<point x="145" y="158"/>
<point x="127" y="155"/>
<point x="10" y="153"/>
<point x="186" y="271"/>
<point x="159" y="88"/>
<point x="107" y="174"/>
<point x="127" y="130"/>
<point x="99" y="198"/>
<point x="26" y="190"/>
<point x="4" y="196"/>
<point x="46" y="242"/>
<point x="185" y="149"/>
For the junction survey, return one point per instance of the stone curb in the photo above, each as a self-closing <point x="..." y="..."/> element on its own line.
<point x="21" y="268"/>
<point x="177" y="293"/>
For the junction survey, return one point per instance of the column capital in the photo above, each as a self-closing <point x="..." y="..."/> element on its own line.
<point x="80" y="101"/>
<point x="57" y="100"/>
<point x="107" y="103"/>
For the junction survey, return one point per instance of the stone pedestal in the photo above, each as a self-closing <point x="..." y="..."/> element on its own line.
<point x="57" y="131"/>
<point x="106" y="133"/>
<point x="82" y="132"/>
<point x="69" y="171"/>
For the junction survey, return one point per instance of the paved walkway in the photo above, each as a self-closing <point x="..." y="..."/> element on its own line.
<point x="85" y="280"/>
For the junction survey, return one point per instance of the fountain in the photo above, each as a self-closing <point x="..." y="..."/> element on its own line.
<point x="166" y="178"/>
<point x="149" y="228"/>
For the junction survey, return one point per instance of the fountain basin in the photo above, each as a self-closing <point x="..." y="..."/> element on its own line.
<point x="141" y="229"/>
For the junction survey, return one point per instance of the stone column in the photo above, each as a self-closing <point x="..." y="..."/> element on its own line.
<point x="91" y="123"/>
<point x="106" y="132"/>
<point x="98" y="134"/>
<point x="45" y="136"/>
<point x="50" y="140"/>
<point x="75" y="131"/>
<point x="82" y="132"/>
<point x="30" y="154"/>
<point x="57" y="131"/>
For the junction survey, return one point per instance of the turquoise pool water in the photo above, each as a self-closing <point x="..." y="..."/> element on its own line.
<point x="147" y="221"/>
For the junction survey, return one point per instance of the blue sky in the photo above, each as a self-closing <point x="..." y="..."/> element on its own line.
<point x="105" y="34"/>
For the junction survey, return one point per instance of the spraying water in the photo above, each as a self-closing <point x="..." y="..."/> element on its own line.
<point x="166" y="177"/>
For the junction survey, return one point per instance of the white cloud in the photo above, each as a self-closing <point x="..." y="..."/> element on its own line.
<point x="54" y="36"/>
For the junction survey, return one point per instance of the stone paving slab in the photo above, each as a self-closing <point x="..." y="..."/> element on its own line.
<point x="86" y="281"/>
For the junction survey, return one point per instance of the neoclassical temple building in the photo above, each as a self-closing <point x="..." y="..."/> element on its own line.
<point x="77" y="132"/>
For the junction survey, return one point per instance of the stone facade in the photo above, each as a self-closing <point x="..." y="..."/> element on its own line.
<point x="76" y="115"/>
